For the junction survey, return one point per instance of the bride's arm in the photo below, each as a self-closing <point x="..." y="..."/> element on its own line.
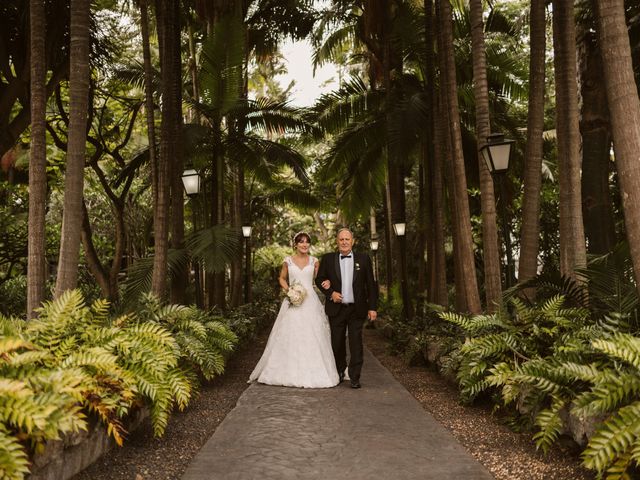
<point x="284" y="275"/>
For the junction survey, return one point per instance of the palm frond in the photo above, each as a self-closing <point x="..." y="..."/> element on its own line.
<point x="214" y="247"/>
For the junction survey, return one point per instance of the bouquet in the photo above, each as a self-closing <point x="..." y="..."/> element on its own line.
<point x="296" y="293"/>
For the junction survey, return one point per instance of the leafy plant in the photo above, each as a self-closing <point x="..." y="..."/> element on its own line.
<point x="37" y="403"/>
<point x="510" y="339"/>
<point x="204" y="339"/>
<point x="75" y="358"/>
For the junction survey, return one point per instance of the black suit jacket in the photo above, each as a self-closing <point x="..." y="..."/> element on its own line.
<point x="365" y="290"/>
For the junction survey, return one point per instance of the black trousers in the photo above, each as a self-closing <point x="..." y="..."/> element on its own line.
<point x="347" y="320"/>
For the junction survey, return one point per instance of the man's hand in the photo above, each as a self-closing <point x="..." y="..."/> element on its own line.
<point x="373" y="315"/>
<point x="336" y="297"/>
<point x="326" y="284"/>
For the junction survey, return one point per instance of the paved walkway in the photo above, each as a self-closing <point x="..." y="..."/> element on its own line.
<point x="377" y="432"/>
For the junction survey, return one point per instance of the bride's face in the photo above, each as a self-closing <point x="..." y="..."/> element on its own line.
<point x="303" y="246"/>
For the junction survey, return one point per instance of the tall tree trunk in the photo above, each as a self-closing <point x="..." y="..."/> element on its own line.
<point x="217" y="296"/>
<point x="439" y="264"/>
<point x="388" y="241"/>
<point x="492" y="285"/>
<point x="624" y="107"/>
<point x="166" y="18"/>
<point x="530" y="231"/>
<point x="74" y="175"/>
<point x="236" y="223"/>
<point x="443" y="144"/>
<point x="193" y="70"/>
<point x="437" y="285"/>
<point x="462" y="222"/>
<point x="181" y="277"/>
<point x="572" y="243"/>
<point x="148" y="96"/>
<point x="423" y="210"/>
<point x="595" y="128"/>
<point x="392" y="63"/>
<point x="37" y="162"/>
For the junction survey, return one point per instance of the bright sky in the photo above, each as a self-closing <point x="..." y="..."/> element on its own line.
<point x="308" y="87"/>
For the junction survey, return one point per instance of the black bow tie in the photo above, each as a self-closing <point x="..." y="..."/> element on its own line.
<point x="344" y="256"/>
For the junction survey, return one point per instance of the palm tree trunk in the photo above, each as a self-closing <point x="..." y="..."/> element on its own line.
<point x="388" y="241"/>
<point x="624" y="107"/>
<point x="439" y="264"/>
<point x="437" y="288"/>
<point x="462" y="222"/>
<point x="193" y="70"/>
<point x="37" y="161"/>
<point x="423" y="210"/>
<point x="165" y="11"/>
<point x="572" y="242"/>
<point x="148" y="96"/>
<point x="492" y="284"/>
<point x="74" y="175"/>
<point x="530" y="231"/>
<point x="217" y="294"/>
<point x="595" y="127"/>
<point x="181" y="277"/>
<point x="236" y="222"/>
<point x="392" y="62"/>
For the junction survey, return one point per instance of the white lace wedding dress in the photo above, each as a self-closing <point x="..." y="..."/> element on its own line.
<point x="298" y="352"/>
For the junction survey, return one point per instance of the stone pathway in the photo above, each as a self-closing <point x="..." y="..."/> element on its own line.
<point x="377" y="432"/>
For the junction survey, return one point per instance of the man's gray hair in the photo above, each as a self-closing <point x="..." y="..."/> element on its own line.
<point x="344" y="229"/>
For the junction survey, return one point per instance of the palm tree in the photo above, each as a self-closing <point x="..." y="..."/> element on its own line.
<point x="624" y="106"/>
<point x="167" y="19"/>
<point x="74" y="176"/>
<point x="436" y="268"/>
<point x="148" y="95"/>
<point x="180" y="279"/>
<point x="529" y="233"/>
<point x="572" y="242"/>
<point x="37" y="161"/>
<point x="492" y="284"/>
<point x="461" y="221"/>
<point x="595" y="126"/>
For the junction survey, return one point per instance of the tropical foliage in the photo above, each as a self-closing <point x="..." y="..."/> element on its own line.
<point x="77" y="361"/>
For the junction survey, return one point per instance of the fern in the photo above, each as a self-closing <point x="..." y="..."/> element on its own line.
<point x="550" y="423"/>
<point x="13" y="457"/>
<point x="614" y="439"/>
<point x="622" y="346"/>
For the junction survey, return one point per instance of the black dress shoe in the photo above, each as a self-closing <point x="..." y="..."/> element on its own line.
<point x="355" y="384"/>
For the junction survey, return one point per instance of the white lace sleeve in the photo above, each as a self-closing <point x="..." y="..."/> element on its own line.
<point x="287" y="260"/>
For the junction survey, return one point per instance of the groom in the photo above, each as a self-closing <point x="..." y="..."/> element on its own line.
<point x="352" y="296"/>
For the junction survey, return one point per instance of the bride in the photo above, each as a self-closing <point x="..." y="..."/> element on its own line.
<point x="298" y="352"/>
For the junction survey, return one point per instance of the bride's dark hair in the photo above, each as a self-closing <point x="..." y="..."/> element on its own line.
<point x="297" y="238"/>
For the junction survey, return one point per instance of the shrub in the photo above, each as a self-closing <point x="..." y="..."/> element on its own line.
<point x="75" y="358"/>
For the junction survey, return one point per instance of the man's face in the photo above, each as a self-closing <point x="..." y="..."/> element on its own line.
<point x="345" y="242"/>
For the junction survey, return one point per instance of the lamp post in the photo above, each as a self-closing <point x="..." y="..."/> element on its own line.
<point x="375" y="244"/>
<point x="399" y="228"/>
<point x="191" y="183"/>
<point x="497" y="153"/>
<point x="246" y="233"/>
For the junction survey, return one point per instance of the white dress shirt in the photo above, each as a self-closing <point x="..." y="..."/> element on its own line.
<point x="346" y="270"/>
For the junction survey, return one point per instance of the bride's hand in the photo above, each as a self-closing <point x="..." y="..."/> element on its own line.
<point x="326" y="284"/>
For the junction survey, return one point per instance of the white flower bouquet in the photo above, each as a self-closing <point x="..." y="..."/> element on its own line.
<point x="296" y="293"/>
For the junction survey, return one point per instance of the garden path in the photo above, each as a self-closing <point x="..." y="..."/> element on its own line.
<point x="377" y="432"/>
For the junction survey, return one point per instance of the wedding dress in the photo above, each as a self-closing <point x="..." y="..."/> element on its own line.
<point x="298" y="352"/>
